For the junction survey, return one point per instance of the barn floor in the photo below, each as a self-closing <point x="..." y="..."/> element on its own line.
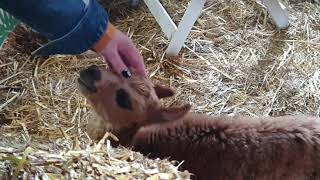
<point x="234" y="62"/>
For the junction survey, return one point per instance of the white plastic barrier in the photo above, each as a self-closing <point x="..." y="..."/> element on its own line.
<point x="178" y="35"/>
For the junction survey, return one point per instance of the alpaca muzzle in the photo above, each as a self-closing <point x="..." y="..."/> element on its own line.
<point x="87" y="79"/>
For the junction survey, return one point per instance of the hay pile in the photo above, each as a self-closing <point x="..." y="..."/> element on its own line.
<point x="234" y="62"/>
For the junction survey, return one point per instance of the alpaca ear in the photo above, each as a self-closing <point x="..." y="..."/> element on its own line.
<point x="163" y="92"/>
<point x="162" y="114"/>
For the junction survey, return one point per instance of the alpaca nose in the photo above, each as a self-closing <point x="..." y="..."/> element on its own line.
<point x="92" y="72"/>
<point x="89" y="76"/>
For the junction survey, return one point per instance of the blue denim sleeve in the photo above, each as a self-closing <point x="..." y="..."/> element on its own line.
<point x="71" y="26"/>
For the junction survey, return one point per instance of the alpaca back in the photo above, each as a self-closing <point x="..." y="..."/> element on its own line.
<point x="237" y="147"/>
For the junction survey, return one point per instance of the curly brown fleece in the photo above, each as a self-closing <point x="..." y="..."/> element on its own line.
<point x="212" y="147"/>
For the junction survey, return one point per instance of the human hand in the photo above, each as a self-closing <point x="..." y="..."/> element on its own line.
<point x="120" y="53"/>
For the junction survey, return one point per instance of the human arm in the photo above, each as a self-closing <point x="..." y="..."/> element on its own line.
<point x="73" y="27"/>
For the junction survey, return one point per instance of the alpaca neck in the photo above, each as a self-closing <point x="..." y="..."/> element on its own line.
<point x="125" y="135"/>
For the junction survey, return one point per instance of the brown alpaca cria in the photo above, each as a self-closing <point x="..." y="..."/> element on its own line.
<point x="212" y="147"/>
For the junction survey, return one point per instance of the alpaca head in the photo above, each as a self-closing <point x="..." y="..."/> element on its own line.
<point x="126" y="103"/>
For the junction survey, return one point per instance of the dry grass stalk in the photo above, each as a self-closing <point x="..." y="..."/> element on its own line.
<point x="234" y="62"/>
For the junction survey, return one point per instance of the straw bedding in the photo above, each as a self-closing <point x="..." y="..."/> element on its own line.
<point x="234" y="62"/>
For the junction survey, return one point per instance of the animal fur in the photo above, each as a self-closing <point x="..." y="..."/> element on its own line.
<point x="237" y="147"/>
<point x="212" y="147"/>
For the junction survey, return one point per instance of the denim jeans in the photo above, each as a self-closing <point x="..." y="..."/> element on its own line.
<point x="71" y="26"/>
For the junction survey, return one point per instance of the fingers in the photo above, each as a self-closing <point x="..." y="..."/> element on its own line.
<point x="115" y="61"/>
<point x="132" y="57"/>
<point x="121" y="53"/>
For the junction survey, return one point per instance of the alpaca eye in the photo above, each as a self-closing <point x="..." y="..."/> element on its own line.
<point x="123" y="99"/>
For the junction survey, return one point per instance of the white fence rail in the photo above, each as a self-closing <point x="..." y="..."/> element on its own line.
<point x="178" y="35"/>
